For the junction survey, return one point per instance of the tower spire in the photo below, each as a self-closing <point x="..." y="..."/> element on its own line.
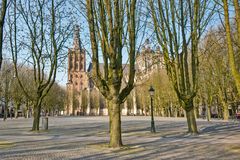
<point x="76" y="37"/>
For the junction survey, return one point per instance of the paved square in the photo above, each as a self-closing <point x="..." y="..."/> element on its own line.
<point x="87" y="137"/>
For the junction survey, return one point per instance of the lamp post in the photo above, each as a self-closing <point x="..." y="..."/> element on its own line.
<point x="151" y="92"/>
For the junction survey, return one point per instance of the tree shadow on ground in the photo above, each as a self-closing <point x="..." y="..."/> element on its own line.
<point x="170" y="142"/>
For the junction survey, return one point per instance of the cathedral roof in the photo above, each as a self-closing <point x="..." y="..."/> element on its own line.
<point x="101" y="67"/>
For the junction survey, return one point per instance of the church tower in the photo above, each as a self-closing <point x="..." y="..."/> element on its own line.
<point x="77" y="77"/>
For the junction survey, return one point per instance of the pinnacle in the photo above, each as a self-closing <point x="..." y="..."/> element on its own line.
<point x="76" y="36"/>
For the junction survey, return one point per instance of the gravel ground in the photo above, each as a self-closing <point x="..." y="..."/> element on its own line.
<point x="87" y="138"/>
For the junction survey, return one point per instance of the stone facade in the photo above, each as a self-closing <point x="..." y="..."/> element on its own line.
<point x="148" y="60"/>
<point x="77" y="76"/>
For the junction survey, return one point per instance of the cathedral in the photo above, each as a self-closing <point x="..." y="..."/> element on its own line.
<point x="77" y="75"/>
<point x="83" y="98"/>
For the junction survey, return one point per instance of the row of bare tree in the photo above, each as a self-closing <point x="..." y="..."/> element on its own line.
<point x="178" y="26"/>
<point x="13" y="98"/>
<point x="40" y="29"/>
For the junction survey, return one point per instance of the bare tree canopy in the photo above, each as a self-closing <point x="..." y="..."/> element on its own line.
<point x="44" y="32"/>
<point x="179" y="26"/>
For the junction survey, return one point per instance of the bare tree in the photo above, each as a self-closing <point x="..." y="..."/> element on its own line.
<point x="44" y="32"/>
<point x="53" y="103"/>
<point x="107" y="20"/>
<point x="179" y="26"/>
<point x="17" y="95"/>
<point x="6" y="78"/>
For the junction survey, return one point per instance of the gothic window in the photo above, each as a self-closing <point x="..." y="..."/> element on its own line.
<point x="76" y="66"/>
<point x="70" y="65"/>
<point x="76" y="83"/>
<point x="81" y="66"/>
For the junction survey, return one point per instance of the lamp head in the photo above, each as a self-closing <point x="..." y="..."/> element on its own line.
<point x="151" y="91"/>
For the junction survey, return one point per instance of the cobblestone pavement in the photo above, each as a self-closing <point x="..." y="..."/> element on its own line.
<point x="87" y="137"/>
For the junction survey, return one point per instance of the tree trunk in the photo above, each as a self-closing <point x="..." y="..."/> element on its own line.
<point x="225" y="111"/>
<point x="27" y="109"/>
<point x="224" y="104"/>
<point x="16" y="111"/>
<point x="209" y="105"/>
<point x="5" y="111"/>
<point x="176" y="112"/>
<point x="36" y="116"/>
<point x="115" y="125"/>
<point x="191" y="119"/>
<point x="208" y="112"/>
<point x="134" y="102"/>
<point x="196" y="111"/>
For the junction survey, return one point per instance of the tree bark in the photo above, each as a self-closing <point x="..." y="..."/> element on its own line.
<point x="209" y="105"/>
<point x="36" y="116"/>
<point x="191" y="119"/>
<point x="115" y="125"/>
<point x="224" y="104"/>
<point x="5" y="111"/>
<point x="208" y="112"/>
<point x="225" y="110"/>
<point x="16" y="110"/>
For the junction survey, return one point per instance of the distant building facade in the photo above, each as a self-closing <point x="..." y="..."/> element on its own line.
<point x="148" y="60"/>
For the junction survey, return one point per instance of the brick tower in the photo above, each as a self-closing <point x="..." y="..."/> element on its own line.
<point x="77" y="76"/>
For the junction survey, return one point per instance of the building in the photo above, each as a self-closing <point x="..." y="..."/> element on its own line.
<point x="84" y="98"/>
<point x="148" y="60"/>
<point x="77" y="76"/>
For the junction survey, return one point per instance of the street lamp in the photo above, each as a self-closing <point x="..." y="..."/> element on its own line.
<point x="151" y="92"/>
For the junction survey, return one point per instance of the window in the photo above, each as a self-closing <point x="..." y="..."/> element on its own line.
<point x="76" y="66"/>
<point x="70" y="65"/>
